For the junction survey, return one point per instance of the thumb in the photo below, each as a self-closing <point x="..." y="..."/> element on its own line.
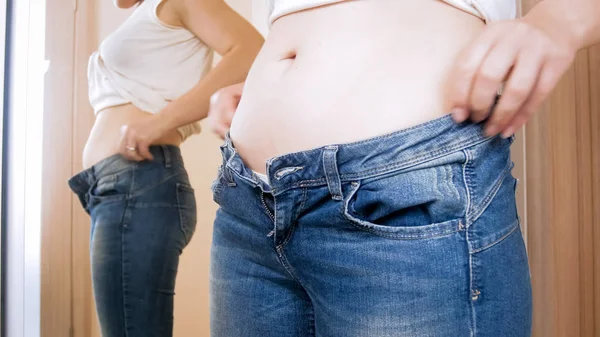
<point x="144" y="151"/>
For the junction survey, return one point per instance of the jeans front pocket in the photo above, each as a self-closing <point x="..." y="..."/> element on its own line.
<point x="422" y="203"/>
<point x="109" y="188"/>
<point x="186" y="204"/>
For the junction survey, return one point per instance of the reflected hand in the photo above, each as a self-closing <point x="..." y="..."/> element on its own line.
<point x="524" y="55"/>
<point x="137" y="138"/>
<point x="223" y="105"/>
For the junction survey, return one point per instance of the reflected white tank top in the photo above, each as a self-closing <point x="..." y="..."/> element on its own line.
<point x="487" y="10"/>
<point x="147" y="63"/>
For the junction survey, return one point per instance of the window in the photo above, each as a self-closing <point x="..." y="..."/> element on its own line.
<point x="22" y="156"/>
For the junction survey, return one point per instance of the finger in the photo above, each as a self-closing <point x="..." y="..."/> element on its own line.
<point x="131" y="155"/>
<point x="493" y="71"/>
<point x="221" y="130"/>
<point x="520" y="119"/>
<point x="226" y="116"/>
<point x="462" y="76"/>
<point x="519" y="87"/>
<point x="128" y="146"/>
<point x="549" y="77"/>
<point x="144" y="151"/>
<point x="217" y="125"/>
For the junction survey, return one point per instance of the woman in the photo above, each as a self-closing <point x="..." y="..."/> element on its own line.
<point x="141" y="203"/>
<point x="351" y="203"/>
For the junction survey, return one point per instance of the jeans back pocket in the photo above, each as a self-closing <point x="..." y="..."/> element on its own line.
<point x="186" y="204"/>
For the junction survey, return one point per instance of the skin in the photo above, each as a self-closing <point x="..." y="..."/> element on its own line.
<point x="529" y="55"/>
<point x="222" y="108"/>
<point x="124" y="4"/>
<point x="221" y="28"/>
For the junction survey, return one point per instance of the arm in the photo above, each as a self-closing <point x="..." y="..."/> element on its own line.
<point x="576" y="20"/>
<point x="529" y="55"/>
<point x="232" y="37"/>
<point x="221" y="28"/>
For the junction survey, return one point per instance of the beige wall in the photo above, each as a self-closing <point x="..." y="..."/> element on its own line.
<point x="202" y="157"/>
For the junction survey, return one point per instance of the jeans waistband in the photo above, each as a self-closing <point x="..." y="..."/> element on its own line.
<point x="167" y="155"/>
<point x="334" y="164"/>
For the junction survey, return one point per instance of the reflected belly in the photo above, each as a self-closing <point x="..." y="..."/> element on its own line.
<point x="105" y="136"/>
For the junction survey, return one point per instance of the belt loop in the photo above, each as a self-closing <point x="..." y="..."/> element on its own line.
<point x="331" y="172"/>
<point x="167" y="154"/>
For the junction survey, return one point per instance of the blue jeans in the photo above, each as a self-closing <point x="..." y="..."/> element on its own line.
<point x="414" y="233"/>
<point x="143" y="215"/>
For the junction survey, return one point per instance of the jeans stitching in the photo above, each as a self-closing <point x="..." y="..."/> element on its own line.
<point x="429" y="156"/>
<point x="502" y="238"/>
<point x="216" y="186"/>
<point x="264" y="204"/>
<point x="182" y="222"/>
<point x="293" y="226"/>
<point x="311" y="323"/>
<point x="124" y="276"/>
<point x="146" y="189"/>
<point x="467" y="181"/>
<point x="390" y="167"/>
<point x="368" y="227"/>
<point x="473" y="325"/>
<point x="469" y="193"/>
<point x="478" y="211"/>
<point x="284" y="262"/>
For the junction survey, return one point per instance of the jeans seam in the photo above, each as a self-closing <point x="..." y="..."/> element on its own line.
<point x="146" y="189"/>
<point x="293" y="226"/>
<point x="124" y="228"/>
<point x="467" y="181"/>
<point x="468" y="189"/>
<point x="284" y="262"/>
<point x="124" y="290"/>
<point x="502" y="238"/>
<point x="182" y="223"/>
<point x="311" y="323"/>
<point x="487" y="200"/>
<point x="264" y="204"/>
<point x="473" y="325"/>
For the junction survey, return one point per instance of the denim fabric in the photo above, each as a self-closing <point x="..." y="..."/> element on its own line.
<point x="414" y="233"/>
<point x="143" y="215"/>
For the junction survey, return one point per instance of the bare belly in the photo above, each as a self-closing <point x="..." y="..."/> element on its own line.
<point x="105" y="136"/>
<point x="346" y="72"/>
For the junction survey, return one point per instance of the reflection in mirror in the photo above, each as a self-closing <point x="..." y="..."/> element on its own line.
<point x="149" y="83"/>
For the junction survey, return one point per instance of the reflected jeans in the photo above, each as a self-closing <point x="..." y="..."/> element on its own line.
<point x="143" y="215"/>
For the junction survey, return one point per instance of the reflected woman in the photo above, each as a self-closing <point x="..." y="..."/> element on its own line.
<point x="135" y="186"/>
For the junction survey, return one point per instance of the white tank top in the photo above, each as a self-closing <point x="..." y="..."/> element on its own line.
<point x="147" y="63"/>
<point x="487" y="10"/>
